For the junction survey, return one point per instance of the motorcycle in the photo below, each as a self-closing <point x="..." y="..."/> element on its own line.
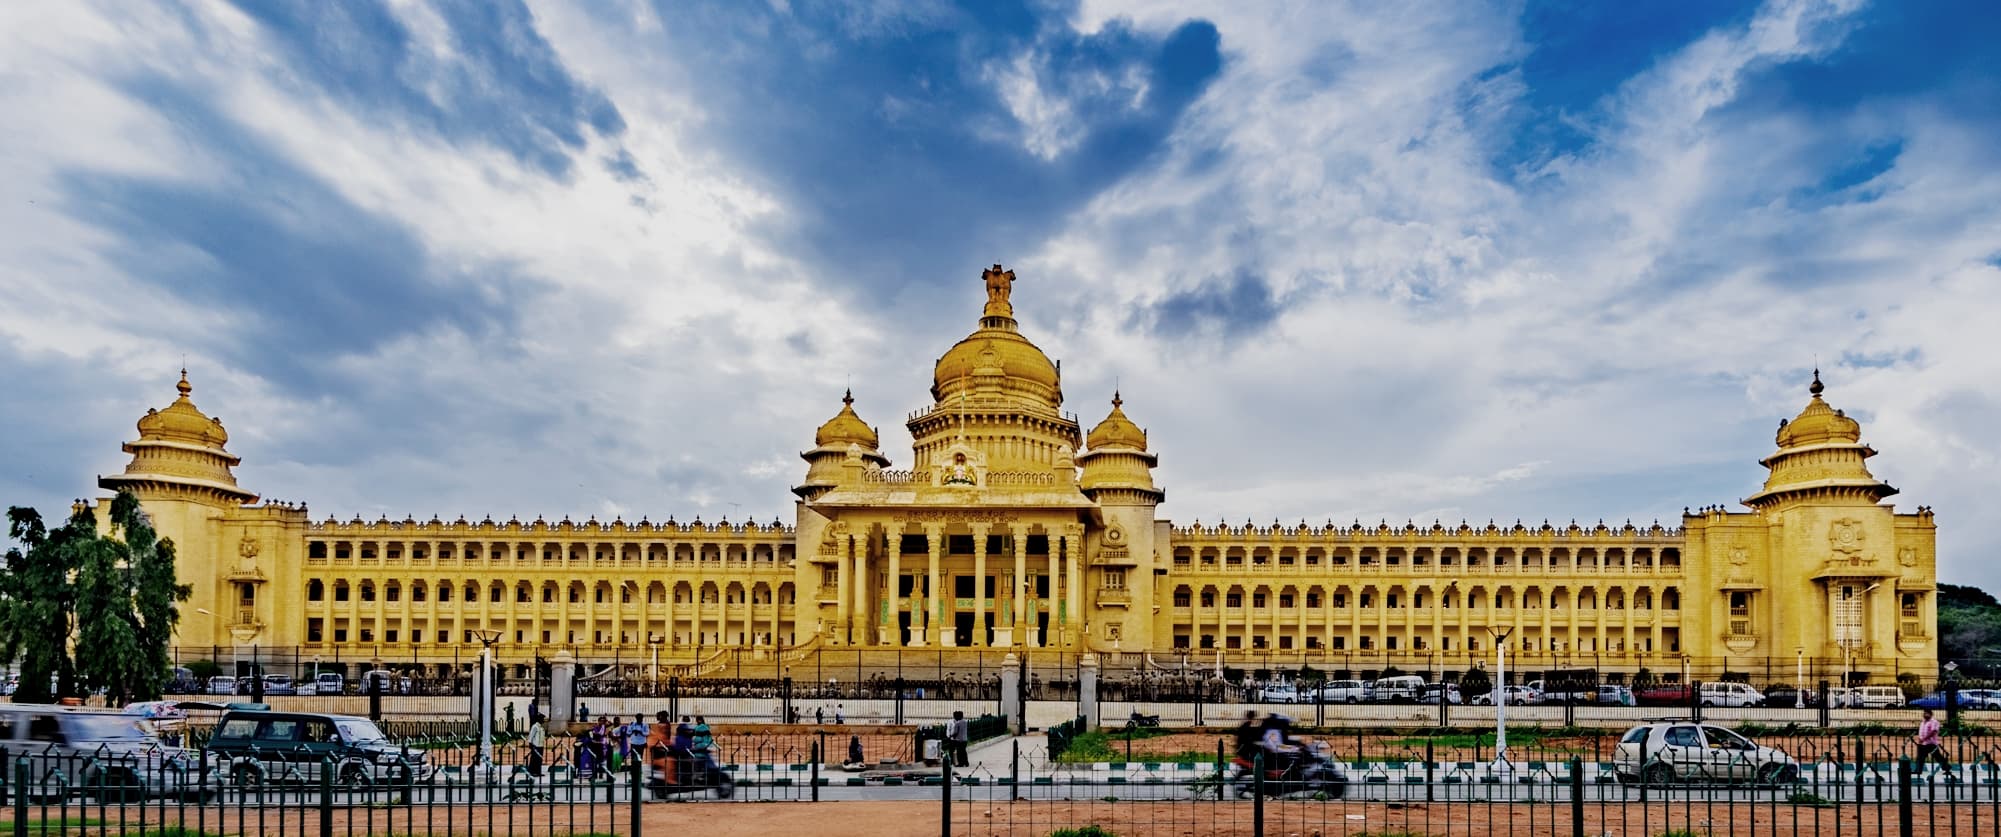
<point x="1137" y="721"/>
<point x="694" y="773"/>
<point x="1310" y="771"/>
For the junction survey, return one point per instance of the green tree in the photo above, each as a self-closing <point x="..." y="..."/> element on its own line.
<point x="118" y="591"/>
<point x="1474" y="682"/>
<point x="35" y="606"/>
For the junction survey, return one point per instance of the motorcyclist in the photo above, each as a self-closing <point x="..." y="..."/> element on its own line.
<point x="1247" y="736"/>
<point x="1280" y="748"/>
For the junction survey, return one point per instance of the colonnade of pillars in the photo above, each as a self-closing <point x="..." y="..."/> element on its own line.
<point x="868" y="605"/>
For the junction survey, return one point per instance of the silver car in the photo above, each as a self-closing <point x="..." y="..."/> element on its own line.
<point x="103" y="754"/>
<point x="1684" y="751"/>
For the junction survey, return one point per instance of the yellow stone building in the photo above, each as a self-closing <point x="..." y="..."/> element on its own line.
<point x="1013" y="528"/>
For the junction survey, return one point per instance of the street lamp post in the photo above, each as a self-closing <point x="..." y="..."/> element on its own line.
<point x="1501" y="763"/>
<point x="1799" y="677"/>
<point x="484" y="715"/>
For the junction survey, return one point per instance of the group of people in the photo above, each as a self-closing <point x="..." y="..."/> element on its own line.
<point x="606" y="747"/>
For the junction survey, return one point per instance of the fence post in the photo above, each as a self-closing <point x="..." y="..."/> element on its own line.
<point x="21" y="797"/>
<point x="638" y="788"/>
<point x="1903" y="796"/>
<point x="326" y="797"/>
<point x="1430" y="769"/>
<point x="1826" y="711"/>
<point x="1576" y="797"/>
<point x="1257" y="793"/>
<point x="1695" y="700"/>
<point x="1014" y="767"/>
<point x="813" y="779"/>
<point x="1222" y="770"/>
<point x="1861" y="767"/>
<point x="945" y="794"/>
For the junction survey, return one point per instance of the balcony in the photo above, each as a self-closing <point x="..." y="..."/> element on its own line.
<point x="1114" y="598"/>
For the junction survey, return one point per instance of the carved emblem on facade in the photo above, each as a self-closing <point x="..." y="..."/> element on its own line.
<point x="1845" y="536"/>
<point x="247" y="548"/>
<point x="1738" y="555"/>
<point x="1907" y="557"/>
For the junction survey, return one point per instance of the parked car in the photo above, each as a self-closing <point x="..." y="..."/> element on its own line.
<point x="1672" y="694"/>
<point x="1517" y="696"/>
<point x="1399" y="689"/>
<point x="329" y="683"/>
<point x="222" y="684"/>
<point x="1731" y="694"/>
<point x="256" y="747"/>
<point x="1344" y="691"/>
<point x="1967" y="699"/>
<point x="1616" y="696"/>
<point x="1431" y="693"/>
<point x="1277" y="693"/>
<point x="106" y="755"/>
<point x="1980" y="698"/>
<point x="1678" y="751"/>
<point x="1875" y="697"/>
<point x="1782" y="696"/>
<point x="1579" y="694"/>
<point x="183" y="682"/>
<point x="279" y="684"/>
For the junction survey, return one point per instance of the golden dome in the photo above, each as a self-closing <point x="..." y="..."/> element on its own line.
<point x="846" y="427"/>
<point x="1117" y="430"/>
<point x="181" y="422"/>
<point x="1819" y="423"/>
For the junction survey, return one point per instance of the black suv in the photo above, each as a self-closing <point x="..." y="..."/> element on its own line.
<point x="253" y="748"/>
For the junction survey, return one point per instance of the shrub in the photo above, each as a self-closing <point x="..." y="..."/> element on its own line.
<point x="1086" y="831"/>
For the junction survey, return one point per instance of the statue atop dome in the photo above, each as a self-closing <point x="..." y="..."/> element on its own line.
<point x="999" y="283"/>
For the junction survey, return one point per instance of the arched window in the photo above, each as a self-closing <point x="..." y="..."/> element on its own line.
<point x="316" y="590"/>
<point x="1671" y="599"/>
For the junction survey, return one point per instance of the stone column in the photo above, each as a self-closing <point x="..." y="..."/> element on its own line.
<point x="864" y="616"/>
<point x="1059" y="618"/>
<point x="1004" y="634"/>
<point x="934" y="615"/>
<point x="1024" y="629"/>
<point x="1010" y="689"/>
<point x="1073" y="584"/>
<point x="892" y="630"/>
<point x="562" y="688"/>
<point x="1087" y="689"/>
<point x="844" y="563"/>
<point x="979" y="637"/>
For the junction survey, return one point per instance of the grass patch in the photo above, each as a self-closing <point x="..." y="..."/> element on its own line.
<point x="1812" y="800"/>
<point x="1100" y="746"/>
<point x="1086" y="831"/>
<point x="56" y="825"/>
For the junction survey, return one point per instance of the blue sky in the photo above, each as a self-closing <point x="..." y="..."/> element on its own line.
<point x="1544" y="260"/>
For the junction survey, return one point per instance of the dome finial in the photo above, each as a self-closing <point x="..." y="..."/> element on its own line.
<point x="1816" y="387"/>
<point x="848" y="397"/>
<point x="184" y="386"/>
<point x="1116" y="400"/>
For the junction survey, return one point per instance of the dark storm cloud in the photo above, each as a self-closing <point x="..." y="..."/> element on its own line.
<point x="892" y="143"/>
<point x="306" y="274"/>
<point x="1228" y="307"/>
<point x="500" y="84"/>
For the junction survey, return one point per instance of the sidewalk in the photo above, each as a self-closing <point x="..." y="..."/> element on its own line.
<point x="994" y="756"/>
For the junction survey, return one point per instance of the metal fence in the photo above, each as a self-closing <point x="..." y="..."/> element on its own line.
<point x="1830" y="785"/>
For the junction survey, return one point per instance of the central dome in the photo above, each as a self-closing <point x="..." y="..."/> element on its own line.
<point x="996" y="360"/>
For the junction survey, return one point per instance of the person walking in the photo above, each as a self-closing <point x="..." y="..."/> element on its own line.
<point x="702" y="738"/>
<point x="840" y="713"/>
<point x="635" y="735"/>
<point x="1928" y="744"/>
<point x="538" y="738"/>
<point x="955" y="739"/>
<point x="659" y="746"/>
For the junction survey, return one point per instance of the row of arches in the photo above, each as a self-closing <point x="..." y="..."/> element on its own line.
<point x="769" y="553"/>
<point x="548" y="592"/>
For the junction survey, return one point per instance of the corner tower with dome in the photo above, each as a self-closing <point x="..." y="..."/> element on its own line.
<point x="1012" y="530"/>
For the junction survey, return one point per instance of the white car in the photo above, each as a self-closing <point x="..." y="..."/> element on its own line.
<point x="1681" y="751"/>
<point x="1517" y="696"/>
<point x="1399" y="689"/>
<point x="1731" y="694"/>
<point x="1278" y="693"/>
<point x="1344" y="691"/>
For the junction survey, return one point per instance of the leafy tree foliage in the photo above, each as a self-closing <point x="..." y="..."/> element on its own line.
<point x="1475" y="681"/>
<point x="1969" y="625"/>
<point x="113" y="596"/>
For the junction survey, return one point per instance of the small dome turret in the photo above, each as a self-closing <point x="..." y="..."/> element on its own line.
<point x="1819" y="423"/>
<point x="1820" y="457"/>
<point x="1117" y="430"/>
<point x="846" y="427"/>
<point x="180" y="452"/>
